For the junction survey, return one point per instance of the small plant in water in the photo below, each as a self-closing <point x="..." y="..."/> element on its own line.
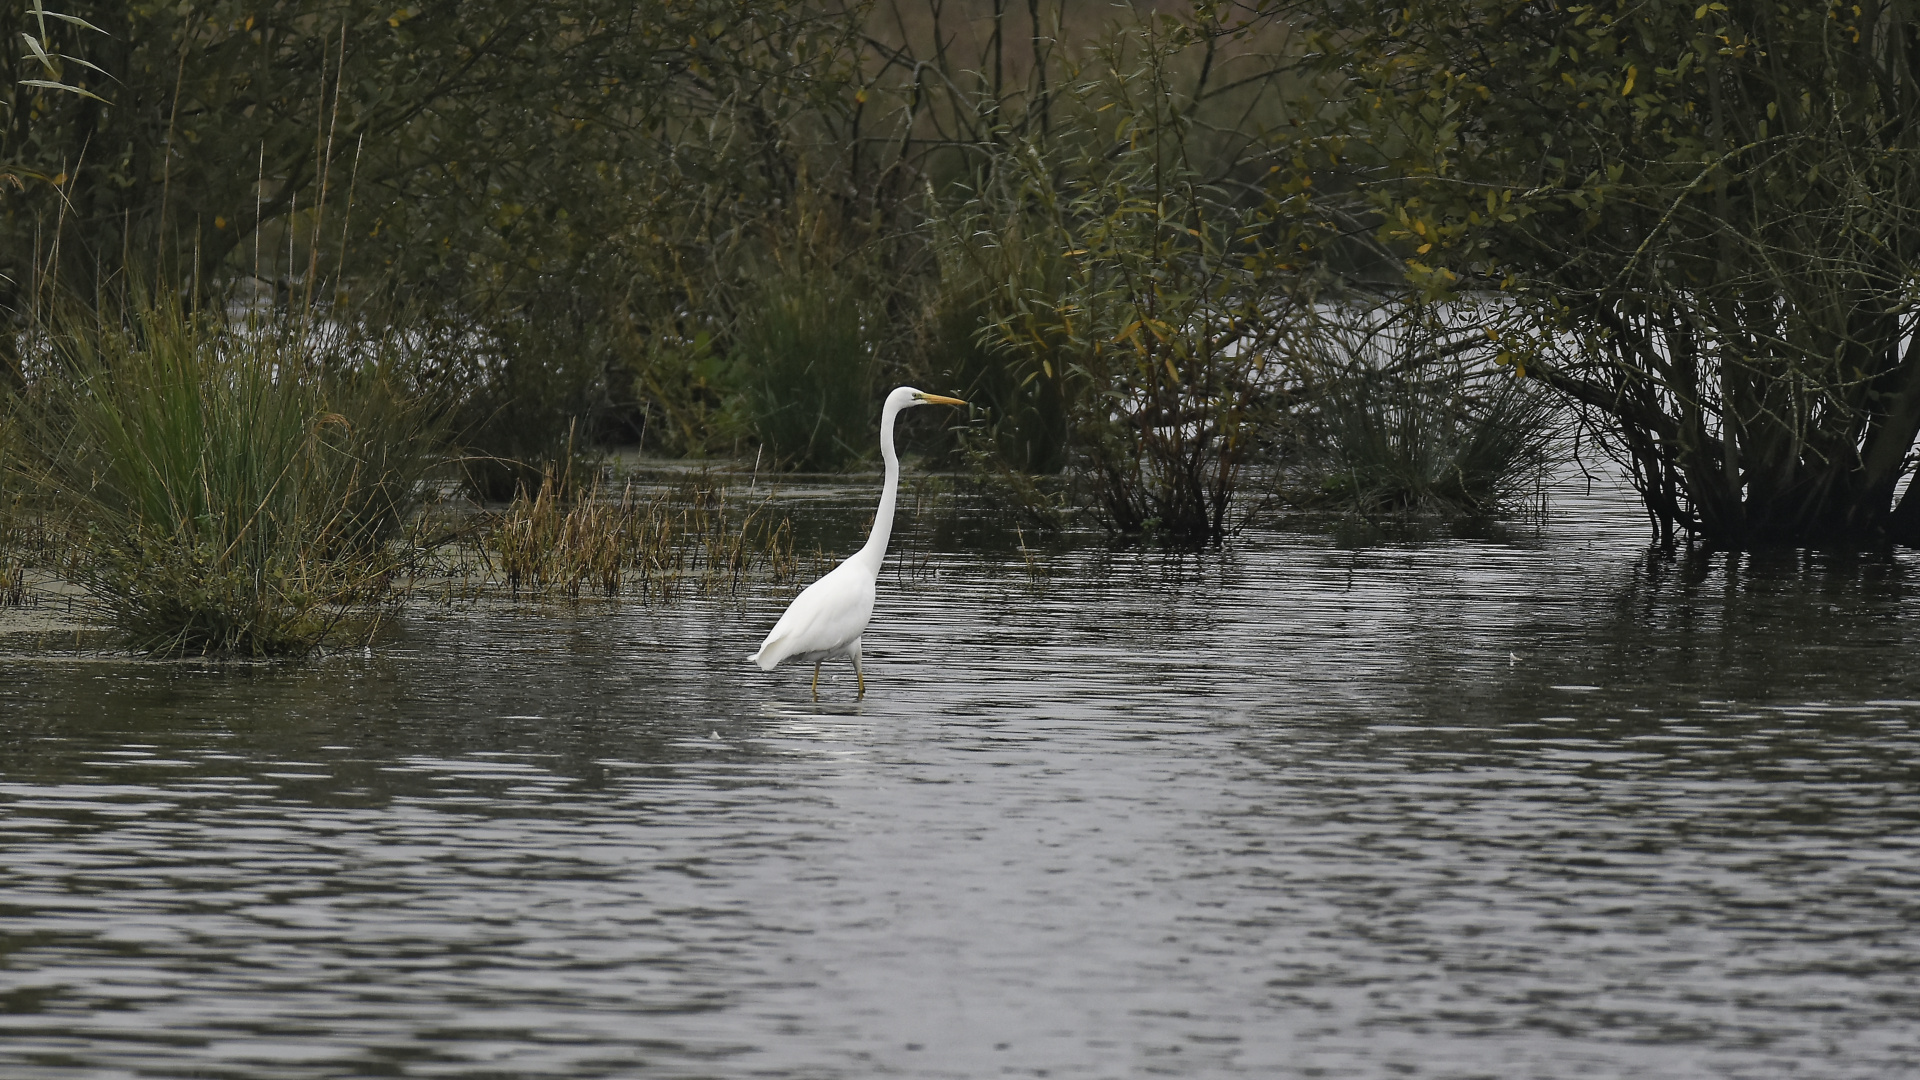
<point x="570" y="541"/>
<point x="1396" y="430"/>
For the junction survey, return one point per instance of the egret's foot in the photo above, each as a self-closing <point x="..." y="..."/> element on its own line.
<point x="861" y="678"/>
<point x="816" y="682"/>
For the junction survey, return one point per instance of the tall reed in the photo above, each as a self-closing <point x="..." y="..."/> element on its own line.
<point x="808" y="372"/>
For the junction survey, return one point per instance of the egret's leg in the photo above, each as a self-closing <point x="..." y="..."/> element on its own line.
<point x="816" y="679"/>
<point x="859" y="675"/>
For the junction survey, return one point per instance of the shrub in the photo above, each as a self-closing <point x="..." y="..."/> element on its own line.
<point x="1134" y="289"/>
<point x="1437" y="444"/>
<point x="1020" y="387"/>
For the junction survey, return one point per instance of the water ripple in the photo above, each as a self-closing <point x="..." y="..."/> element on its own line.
<point x="1467" y="809"/>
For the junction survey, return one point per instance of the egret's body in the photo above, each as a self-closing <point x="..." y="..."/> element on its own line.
<point x="828" y="618"/>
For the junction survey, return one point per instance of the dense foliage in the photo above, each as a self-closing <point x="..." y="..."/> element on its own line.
<point x="553" y="182"/>
<point x="1700" y="221"/>
<point x="1371" y="253"/>
<point x="712" y="225"/>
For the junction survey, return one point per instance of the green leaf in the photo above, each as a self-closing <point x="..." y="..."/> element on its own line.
<point x="74" y="19"/>
<point x="69" y="88"/>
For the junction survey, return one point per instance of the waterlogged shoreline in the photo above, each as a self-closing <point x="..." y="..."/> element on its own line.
<point x="652" y="538"/>
<point x="815" y="519"/>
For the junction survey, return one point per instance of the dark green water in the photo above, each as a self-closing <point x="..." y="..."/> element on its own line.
<point x="1465" y="810"/>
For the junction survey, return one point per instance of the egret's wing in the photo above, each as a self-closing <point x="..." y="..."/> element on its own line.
<point x="824" y="617"/>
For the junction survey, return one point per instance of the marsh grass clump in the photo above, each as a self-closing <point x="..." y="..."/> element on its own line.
<point x="549" y="541"/>
<point x="570" y="540"/>
<point x="14" y="530"/>
<point x="1453" y="445"/>
<point x="230" y="491"/>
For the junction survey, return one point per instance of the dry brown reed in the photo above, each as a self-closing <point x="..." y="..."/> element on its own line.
<point x="13" y="582"/>
<point x="570" y="541"/>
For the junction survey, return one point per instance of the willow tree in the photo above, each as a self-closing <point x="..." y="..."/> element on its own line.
<point x="1698" y="222"/>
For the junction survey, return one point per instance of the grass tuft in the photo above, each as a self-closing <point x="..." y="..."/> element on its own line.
<point x="1429" y="443"/>
<point x="571" y="540"/>
<point x="230" y="491"/>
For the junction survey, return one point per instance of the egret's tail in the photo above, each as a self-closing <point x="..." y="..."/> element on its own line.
<point x="760" y="657"/>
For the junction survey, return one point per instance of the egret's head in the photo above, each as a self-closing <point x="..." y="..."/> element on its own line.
<point x="908" y="397"/>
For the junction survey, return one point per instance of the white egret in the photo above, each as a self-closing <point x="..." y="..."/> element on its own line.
<point x="827" y="619"/>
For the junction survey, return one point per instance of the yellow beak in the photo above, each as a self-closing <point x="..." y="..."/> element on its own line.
<point x="936" y="399"/>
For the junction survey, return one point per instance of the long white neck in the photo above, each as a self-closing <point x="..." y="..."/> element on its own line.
<point x="875" y="551"/>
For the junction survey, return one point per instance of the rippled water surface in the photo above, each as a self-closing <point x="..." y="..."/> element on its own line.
<point x="1466" y="809"/>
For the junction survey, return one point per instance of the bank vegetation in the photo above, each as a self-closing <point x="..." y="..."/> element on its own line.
<point x="1190" y="262"/>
